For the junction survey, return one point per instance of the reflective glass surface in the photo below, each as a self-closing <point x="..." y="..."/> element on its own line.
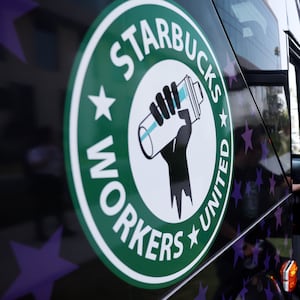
<point x="44" y="250"/>
<point x="273" y="106"/>
<point x="254" y="33"/>
<point x="240" y="271"/>
<point x="294" y="110"/>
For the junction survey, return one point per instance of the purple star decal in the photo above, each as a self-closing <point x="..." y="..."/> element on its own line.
<point x="39" y="269"/>
<point x="244" y="291"/>
<point x="248" y="188"/>
<point x="278" y="214"/>
<point x="272" y="184"/>
<point x="255" y="253"/>
<point x="236" y="195"/>
<point x="238" y="248"/>
<point x="268" y="292"/>
<point x="265" y="150"/>
<point x="202" y="293"/>
<point x="267" y="261"/>
<point x="286" y="240"/>
<point x="268" y="232"/>
<point x="230" y="70"/>
<point x="277" y="257"/>
<point x="259" y="180"/>
<point x="9" y="12"/>
<point x="247" y="135"/>
<point x="262" y="224"/>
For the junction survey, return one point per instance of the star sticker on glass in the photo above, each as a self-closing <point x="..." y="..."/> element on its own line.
<point x="267" y="261"/>
<point x="244" y="290"/>
<point x="230" y="70"/>
<point x="202" y="292"/>
<point x="193" y="236"/>
<point x="277" y="257"/>
<point x="264" y="148"/>
<point x="286" y="240"/>
<point x="268" y="292"/>
<point x="278" y="214"/>
<point x="102" y="103"/>
<point x="247" y="135"/>
<point x="268" y="232"/>
<point x="10" y="11"/>
<point x="259" y="180"/>
<point x="223" y="117"/>
<point x="248" y="188"/>
<point x="236" y="194"/>
<point x="238" y="248"/>
<point x="272" y="184"/>
<point x="255" y="253"/>
<point x="39" y="269"/>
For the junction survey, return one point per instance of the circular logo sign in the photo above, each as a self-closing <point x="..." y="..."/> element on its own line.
<point x="149" y="141"/>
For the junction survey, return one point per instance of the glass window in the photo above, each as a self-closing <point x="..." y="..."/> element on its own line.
<point x="294" y="110"/>
<point x="253" y="31"/>
<point x="271" y="101"/>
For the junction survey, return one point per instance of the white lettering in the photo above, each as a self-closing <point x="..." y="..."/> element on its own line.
<point x="201" y="55"/>
<point x="209" y="76"/>
<point x="122" y="60"/>
<point x="159" y="35"/>
<point x="148" y="37"/>
<point x="224" y="148"/>
<point x="138" y="236"/>
<point x="165" y="248"/>
<point x="127" y="219"/>
<point x="107" y="158"/>
<point x="206" y="225"/>
<point x="115" y="208"/>
<point x="214" y="203"/>
<point x="128" y="34"/>
<point x="178" y="244"/>
<point x="177" y="34"/>
<point x="190" y="55"/>
<point x="216" y="93"/>
<point x="163" y="33"/>
<point x="153" y="244"/>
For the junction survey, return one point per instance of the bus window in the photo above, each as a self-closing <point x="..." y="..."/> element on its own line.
<point x="293" y="75"/>
<point x="294" y="110"/>
<point x="253" y="31"/>
<point x="271" y="101"/>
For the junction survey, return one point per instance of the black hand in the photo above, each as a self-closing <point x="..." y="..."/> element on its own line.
<point x="174" y="153"/>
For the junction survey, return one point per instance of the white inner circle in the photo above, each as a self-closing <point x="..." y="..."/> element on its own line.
<point x="152" y="175"/>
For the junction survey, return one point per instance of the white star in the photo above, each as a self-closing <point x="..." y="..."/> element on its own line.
<point x="193" y="236"/>
<point x="223" y="117"/>
<point x="102" y="104"/>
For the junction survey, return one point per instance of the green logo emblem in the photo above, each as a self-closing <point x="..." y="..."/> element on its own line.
<point x="149" y="142"/>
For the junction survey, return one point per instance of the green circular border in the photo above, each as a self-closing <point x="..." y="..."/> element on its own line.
<point x="73" y="180"/>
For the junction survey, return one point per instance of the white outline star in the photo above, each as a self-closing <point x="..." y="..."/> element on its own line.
<point x="102" y="103"/>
